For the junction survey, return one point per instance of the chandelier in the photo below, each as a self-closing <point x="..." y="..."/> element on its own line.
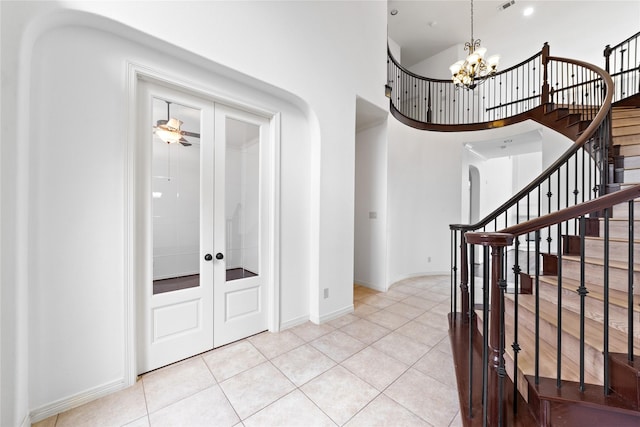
<point x="473" y="70"/>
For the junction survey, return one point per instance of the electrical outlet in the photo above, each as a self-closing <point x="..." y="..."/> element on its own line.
<point x="326" y="293"/>
<point x="373" y="215"/>
<point x="429" y="259"/>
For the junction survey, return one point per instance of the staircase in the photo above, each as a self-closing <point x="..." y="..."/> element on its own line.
<point x="561" y="347"/>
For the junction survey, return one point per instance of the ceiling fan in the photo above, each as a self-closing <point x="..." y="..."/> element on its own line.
<point x="169" y="130"/>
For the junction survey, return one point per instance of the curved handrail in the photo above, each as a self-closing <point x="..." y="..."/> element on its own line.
<point x="437" y="104"/>
<point x="597" y="121"/>
<point x="560" y="216"/>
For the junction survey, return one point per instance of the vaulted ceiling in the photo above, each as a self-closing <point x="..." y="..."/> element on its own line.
<point x="580" y="29"/>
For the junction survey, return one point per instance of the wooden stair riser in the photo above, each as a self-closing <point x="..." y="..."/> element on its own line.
<point x="622" y="210"/>
<point x="631" y="175"/>
<point x="623" y="113"/>
<point x="594" y="307"/>
<point x="630" y="149"/>
<point x="630" y="162"/>
<point x="570" y="346"/>
<point x="594" y="274"/>
<point x="625" y="378"/>
<point x="618" y="251"/>
<point x="621" y="122"/>
<point x="620" y="229"/>
<point x="625" y="130"/>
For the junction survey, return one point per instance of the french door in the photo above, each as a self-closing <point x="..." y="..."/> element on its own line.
<point x="202" y="222"/>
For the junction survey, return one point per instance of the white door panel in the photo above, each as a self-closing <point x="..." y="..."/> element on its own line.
<point x="176" y="287"/>
<point x="241" y="218"/>
<point x="203" y="222"/>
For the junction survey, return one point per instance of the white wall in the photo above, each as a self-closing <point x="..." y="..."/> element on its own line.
<point x="437" y="66"/>
<point x="66" y="96"/>
<point x="423" y="199"/>
<point x="370" y="251"/>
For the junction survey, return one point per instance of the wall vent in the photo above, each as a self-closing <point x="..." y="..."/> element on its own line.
<point x="506" y="5"/>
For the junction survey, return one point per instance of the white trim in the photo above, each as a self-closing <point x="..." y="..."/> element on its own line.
<point x="334" y="314"/>
<point x="26" y="421"/>
<point x="136" y="72"/>
<point x="369" y="285"/>
<point x="294" y="322"/>
<point x="130" y="264"/>
<point x="411" y="276"/>
<point x="274" y="226"/>
<point x="62" y="405"/>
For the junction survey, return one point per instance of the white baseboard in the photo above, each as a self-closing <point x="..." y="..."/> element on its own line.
<point x="334" y="314"/>
<point x="62" y="405"/>
<point x="293" y="322"/>
<point x="411" y="276"/>
<point x="378" y="288"/>
<point x="26" y="422"/>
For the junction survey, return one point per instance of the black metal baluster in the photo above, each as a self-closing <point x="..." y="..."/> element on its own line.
<point x="537" y="316"/>
<point x="630" y="281"/>
<point x="454" y="268"/>
<point x="606" y="302"/>
<point x="515" y="346"/>
<point x="582" y="291"/>
<point x="559" y="313"/>
<point x="472" y="298"/>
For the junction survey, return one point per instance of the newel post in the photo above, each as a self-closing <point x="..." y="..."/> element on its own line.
<point x="496" y="396"/>
<point x="546" y="99"/>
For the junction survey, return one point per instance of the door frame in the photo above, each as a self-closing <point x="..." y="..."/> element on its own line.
<point x="136" y="206"/>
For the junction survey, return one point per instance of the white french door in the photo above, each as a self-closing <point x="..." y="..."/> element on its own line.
<point x="202" y="220"/>
<point x="241" y="232"/>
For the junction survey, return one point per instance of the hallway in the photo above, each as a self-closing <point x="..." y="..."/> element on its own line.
<point x="387" y="364"/>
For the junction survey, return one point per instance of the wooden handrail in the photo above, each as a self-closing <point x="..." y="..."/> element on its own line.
<point x="580" y="141"/>
<point x="572" y="212"/>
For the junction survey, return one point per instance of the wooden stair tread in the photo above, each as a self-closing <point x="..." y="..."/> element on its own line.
<point x="571" y="325"/>
<point x="611" y="239"/>
<point x="616" y="297"/>
<point x="526" y="357"/>
<point x="600" y="262"/>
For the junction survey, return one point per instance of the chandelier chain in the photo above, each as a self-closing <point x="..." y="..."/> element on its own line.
<point x="471" y="21"/>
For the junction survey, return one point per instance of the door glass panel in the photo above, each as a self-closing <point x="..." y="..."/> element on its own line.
<point x="176" y="196"/>
<point x="242" y="186"/>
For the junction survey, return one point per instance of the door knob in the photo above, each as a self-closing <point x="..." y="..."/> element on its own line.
<point x="208" y="257"/>
<point x="219" y="255"/>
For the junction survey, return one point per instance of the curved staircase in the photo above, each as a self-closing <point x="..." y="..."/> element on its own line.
<point x="563" y="348"/>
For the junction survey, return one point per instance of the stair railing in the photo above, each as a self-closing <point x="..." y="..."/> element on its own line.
<point x="580" y="94"/>
<point x="494" y="395"/>
<point x="435" y="104"/>
<point x="622" y="61"/>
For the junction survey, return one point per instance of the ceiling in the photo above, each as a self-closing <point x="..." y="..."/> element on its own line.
<point x="423" y="28"/>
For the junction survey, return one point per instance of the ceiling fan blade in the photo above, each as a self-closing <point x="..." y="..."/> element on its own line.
<point x="161" y="122"/>
<point x="185" y="142"/>
<point x="191" y="134"/>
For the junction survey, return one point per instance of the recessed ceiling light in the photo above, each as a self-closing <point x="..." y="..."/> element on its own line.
<point x="528" y="11"/>
<point x="394" y="12"/>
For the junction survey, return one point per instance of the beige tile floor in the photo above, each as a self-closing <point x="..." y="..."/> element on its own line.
<point x="387" y="364"/>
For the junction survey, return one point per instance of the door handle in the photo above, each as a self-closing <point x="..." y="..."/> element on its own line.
<point x="219" y="255"/>
<point x="208" y="257"/>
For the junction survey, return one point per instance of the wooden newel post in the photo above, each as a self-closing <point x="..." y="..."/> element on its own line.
<point x="496" y="398"/>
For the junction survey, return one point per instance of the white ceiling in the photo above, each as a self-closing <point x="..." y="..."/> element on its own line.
<point x="578" y="28"/>
<point x="574" y="29"/>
